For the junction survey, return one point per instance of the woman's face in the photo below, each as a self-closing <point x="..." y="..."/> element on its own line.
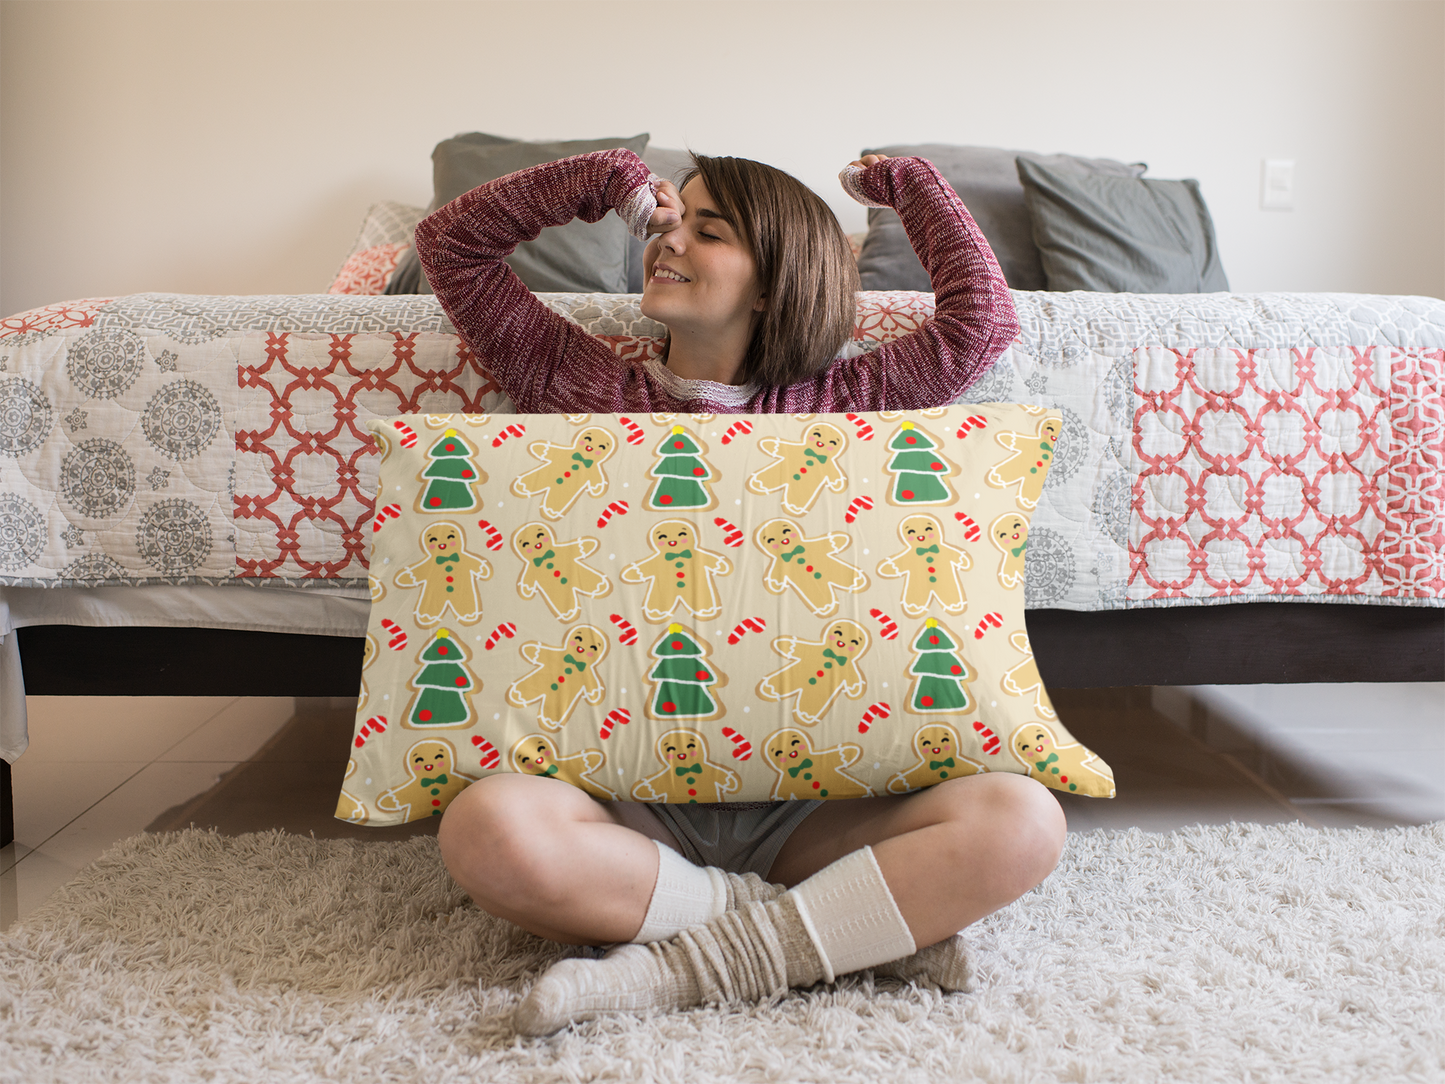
<point x="700" y="276"/>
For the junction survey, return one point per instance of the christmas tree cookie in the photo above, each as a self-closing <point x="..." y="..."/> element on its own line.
<point x="940" y="674"/>
<point x="450" y="476"/>
<point x="684" y="682"/>
<point x="682" y="473"/>
<point x="442" y="686"/>
<point x="920" y="469"/>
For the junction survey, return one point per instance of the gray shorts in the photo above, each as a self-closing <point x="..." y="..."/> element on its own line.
<point x="737" y="840"/>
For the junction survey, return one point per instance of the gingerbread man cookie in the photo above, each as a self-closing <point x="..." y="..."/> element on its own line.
<point x="1025" y="470"/>
<point x="1071" y="767"/>
<point x="561" y="675"/>
<point x="807" y="565"/>
<point x="1024" y="678"/>
<point x="433" y="782"/>
<point x="679" y="572"/>
<point x="368" y="656"/>
<point x="348" y="807"/>
<point x="688" y="775"/>
<point x="376" y="588"/>
<point x="1010" y="536"/>
<point x="556" y="569"/>
<point x="536" y="755"/>
<point x="939" y="758"/>
<point x="818" y="670"/>
<point x="929" y="565"/>
<point x="802" y="467"/>
<point x="448" y="576"/>
<point x="567" y="470"/>
<point x="805" y="772"/>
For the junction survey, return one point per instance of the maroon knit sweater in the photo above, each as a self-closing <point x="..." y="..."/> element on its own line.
<point x="548" y="364"/>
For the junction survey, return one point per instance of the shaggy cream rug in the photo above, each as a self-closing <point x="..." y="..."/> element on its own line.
<point x="1232" y="953"/>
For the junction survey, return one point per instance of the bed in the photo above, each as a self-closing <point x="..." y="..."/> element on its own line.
<point x="1249" y="488"/>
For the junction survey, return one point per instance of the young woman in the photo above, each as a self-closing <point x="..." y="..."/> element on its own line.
<point x="752" y="276"/>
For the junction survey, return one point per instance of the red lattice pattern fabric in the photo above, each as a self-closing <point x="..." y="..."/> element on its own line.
<point x="54" y="317"/>
<point x="1287" y="472"/>
<point x="367" y="272"/>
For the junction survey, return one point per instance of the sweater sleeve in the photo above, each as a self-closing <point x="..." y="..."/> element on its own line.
<point x="543" y="361"/>
<point x="973" y="322"/>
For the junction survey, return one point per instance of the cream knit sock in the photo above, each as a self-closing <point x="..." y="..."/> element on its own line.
<point x="687" y="895"/>
<point x="945" y="964"/>
<point x="754" y="952"/>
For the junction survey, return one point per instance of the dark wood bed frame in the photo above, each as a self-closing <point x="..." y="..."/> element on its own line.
<point x="1242" y="644"/>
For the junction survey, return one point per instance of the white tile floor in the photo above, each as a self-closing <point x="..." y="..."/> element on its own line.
<point x="101" y="769"/>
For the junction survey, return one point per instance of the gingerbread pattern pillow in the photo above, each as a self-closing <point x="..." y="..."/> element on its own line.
<point x="698" y="608"/>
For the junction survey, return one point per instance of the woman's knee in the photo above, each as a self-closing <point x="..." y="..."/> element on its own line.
<point x="1018" y="815"/>
<point x="493" y="835"/>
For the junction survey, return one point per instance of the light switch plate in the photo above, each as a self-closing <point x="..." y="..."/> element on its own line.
<point x="1276" y="191"/>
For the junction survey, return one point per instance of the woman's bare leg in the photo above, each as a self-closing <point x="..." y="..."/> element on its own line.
<point x="544" y="855"/>
<point x="951" y="854"/>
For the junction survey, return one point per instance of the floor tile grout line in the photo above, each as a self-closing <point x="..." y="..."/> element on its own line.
<point x="196" y="729"/>
<point x="39" y="846"/>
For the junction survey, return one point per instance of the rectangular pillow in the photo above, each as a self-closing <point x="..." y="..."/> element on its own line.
<point x="578" y="257"/>
<point x="1121" y="234"/>
<point x="987" y="181"/>
<point x="698" y="608"/>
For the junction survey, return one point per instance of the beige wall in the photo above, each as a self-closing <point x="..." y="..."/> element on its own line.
<point x="233" y="147"/>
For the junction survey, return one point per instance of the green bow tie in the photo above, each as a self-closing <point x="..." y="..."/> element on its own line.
<point x="794" y="771"/>
<point x="1046" y="446"/>
<point x="1022" y="546"/>
<point x="685" y="554"/>
<point x="839" y="659"/>
<point x="934" y="765"/>
<point x="929" y="549"/>
<point x="1042" y="764"/>
<point x="689" y="769"/>
<point x="440" y="780"/>
<point x="796" y="552"/>
<point x="819" y="456"/>
<point x="449" y="558"/>
<point x="551" y="770"/>
<point x="545" y="557"/>
<point x="568" y="658"/>
<point x="582" y="459"/>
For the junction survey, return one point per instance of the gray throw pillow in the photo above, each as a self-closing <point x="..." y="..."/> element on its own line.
<point x="670" y="165"/>
<point x="583" y="257"/>
<point x="987" y="181"/>
<point x="1121" y="234"/>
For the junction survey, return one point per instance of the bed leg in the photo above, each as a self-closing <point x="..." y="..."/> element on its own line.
<point x="7" y="805"/>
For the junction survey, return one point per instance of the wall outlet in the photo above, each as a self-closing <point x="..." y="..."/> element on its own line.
<point x="1276" y="192"/>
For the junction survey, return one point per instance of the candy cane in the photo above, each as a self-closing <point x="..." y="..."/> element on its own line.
<point x="490" y="757"/>
<point x="629" y="634"/>
<point x="506" y="628"/>
<point x="746" y="625"/>
<point x="391" y="511"/>
<point x="736" y="429"/>
<point x="973" y="421"/>
<point x="890" y="627"/>
<point x="876" y="711"/>
<point x="408" y="434"/>
<point x="614" y="717"/>
<point x="856" y="505"/>
<point x="994" y="619"/>
<point x="742" y="748"/>
<point x="373" y="726"/>
<point x="991" y="744"/>
<point x="510" y="431"/>
<point x="494" y="536"/>
<point x="865" y="431"/>
<point x="971" y="532"/>
<point x="398" y="634"/>
<point x="616" y="508"/>
<point x="635" y="433"/>
<point x="734" y="535"/>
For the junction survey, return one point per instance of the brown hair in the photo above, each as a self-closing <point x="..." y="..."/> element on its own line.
<point x="804" y="263"/>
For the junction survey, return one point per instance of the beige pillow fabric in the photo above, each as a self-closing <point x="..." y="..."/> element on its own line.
<point x="698" y="608"/>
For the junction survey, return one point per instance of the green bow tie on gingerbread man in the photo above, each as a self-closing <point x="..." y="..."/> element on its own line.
<point x="440" y="780"/>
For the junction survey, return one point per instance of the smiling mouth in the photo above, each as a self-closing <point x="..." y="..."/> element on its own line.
<point x="667" y="274"/>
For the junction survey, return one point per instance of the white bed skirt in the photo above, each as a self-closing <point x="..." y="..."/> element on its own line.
<point x="326" y="611"/>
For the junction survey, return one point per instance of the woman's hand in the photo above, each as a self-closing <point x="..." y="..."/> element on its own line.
<point x="669" y="209"/>
<point x="868" y="160"/>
